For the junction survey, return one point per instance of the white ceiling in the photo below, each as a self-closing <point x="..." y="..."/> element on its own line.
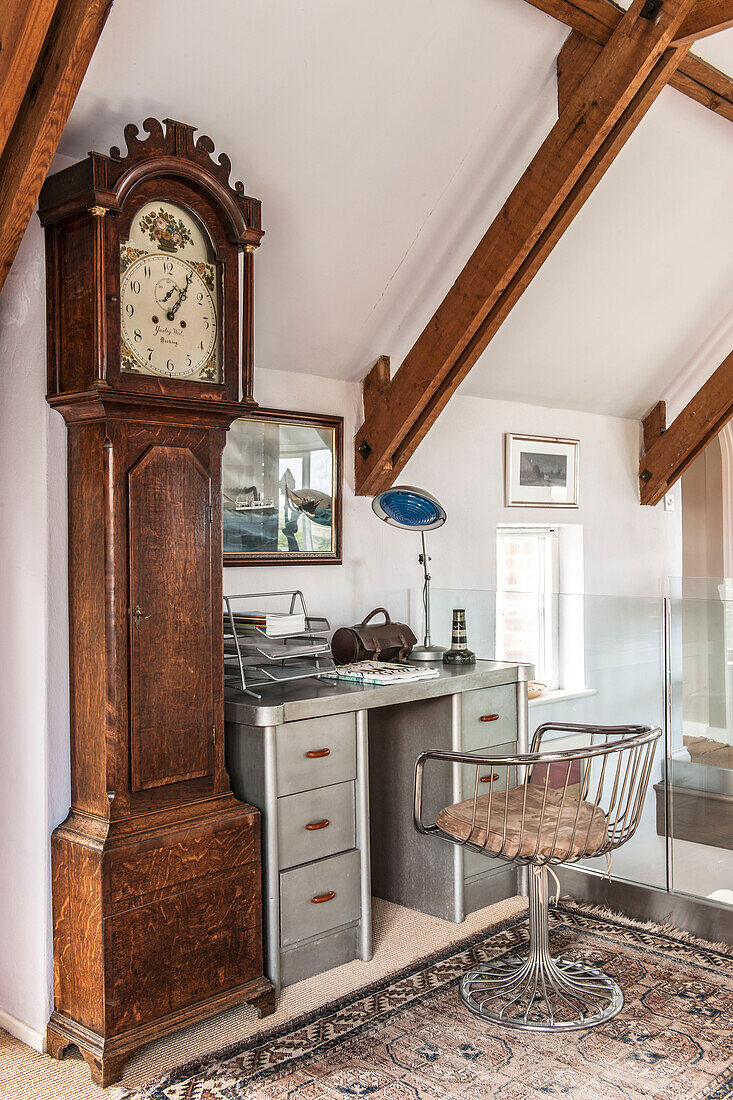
<point x="382" y="137"/>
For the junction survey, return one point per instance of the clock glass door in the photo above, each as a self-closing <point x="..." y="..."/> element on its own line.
<point x="169" y="297"/>
<point x="171" y="674"/>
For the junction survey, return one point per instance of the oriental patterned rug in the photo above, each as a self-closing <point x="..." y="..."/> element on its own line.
<point x="408" y="1037"/>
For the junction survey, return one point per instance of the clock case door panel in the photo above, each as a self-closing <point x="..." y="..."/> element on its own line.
<point x="142" y="726"/>
<point x="169" y="525"/>
<point x="226" y="258"/>
<point x="166" y="516"/>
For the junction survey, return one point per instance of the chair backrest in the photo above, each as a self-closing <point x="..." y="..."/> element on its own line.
<point x="609" y="778"/>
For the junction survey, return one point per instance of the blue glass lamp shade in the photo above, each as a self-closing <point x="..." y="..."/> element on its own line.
<point x="410" y="508"/>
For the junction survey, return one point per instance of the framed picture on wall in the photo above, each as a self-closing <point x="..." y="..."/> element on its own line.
<point x="541" y="472"/>
<point x="281" y="489"/>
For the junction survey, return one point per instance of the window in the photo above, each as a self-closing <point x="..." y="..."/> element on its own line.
<point x="527" y="586"/>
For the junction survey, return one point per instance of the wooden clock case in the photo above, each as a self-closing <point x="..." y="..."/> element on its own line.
<point x="156" y="869"/>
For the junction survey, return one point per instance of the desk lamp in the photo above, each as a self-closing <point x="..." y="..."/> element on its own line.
<point x="414" y="510"/>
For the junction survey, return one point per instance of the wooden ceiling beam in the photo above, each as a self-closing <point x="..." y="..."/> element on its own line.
<point x="595" y="124"/>
<point x="539" y="252"/>
<point x="46" y="100"/>
<point x="374" y="385"/>
<point x="669" y="455"/>
<point x="706" y="85"/>
<point x="654" y="425"/>
<point x="707" y="17"/>
<point x="597" y="19"/>
<point x="23" y="28"/>
<point x="573" y="61"/>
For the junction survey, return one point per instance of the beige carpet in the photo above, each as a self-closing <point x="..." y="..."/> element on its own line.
<point x="409" y="1035"/>
<point x="400" y="936"/>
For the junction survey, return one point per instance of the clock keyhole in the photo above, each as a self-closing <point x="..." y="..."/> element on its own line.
<point x="137" y="616"/>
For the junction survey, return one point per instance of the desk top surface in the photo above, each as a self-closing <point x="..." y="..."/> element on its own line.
<point x="311" y="698"/>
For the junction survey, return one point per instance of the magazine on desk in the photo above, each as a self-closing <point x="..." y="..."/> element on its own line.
<point x="381" y="672"/>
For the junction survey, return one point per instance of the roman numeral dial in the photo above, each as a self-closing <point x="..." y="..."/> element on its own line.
<point x="169" y="324"/>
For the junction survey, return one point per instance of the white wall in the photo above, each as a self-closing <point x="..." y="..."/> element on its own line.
<point x="628" y="549"/>
<point x="34" y="777"/>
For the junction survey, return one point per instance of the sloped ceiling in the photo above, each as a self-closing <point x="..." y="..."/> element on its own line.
<point x="382" y="137"/>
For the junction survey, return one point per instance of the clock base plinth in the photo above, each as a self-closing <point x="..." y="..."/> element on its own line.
<point x="157" y="925"/>
<point x="63" y="1033"/>
<point x="107" y="1057"/>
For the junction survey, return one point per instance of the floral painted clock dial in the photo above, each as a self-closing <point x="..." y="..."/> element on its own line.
<point x="169" y="297"/>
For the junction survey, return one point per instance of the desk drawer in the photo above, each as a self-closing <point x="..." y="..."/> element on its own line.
<point x="468" y="771"/>
<point x="489" y="716"/>
<point x="336" y="879"/>
<point x="296" y="812"/>
<point x="316" y="752"/>
<point x="473" y="862"/>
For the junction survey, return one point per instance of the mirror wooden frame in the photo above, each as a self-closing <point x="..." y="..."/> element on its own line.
<point x="301" y="557"/>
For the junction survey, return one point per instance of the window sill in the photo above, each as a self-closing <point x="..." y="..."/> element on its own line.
<point x="562" y="695"/>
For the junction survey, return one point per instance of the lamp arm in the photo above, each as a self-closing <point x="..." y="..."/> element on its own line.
<point x="424" y="559"/>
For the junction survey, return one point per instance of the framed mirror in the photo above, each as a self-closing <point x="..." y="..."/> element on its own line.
<point x="281" y="489"/>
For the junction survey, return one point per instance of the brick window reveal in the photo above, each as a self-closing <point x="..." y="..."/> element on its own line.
<point x="527" y="568"/>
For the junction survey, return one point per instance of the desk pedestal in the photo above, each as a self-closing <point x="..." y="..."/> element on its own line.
<point x="331" y="769"/>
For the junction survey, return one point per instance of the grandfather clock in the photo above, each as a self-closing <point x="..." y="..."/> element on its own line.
<point x="156" y="869"/>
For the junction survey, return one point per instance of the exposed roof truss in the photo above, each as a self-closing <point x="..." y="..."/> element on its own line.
<point x="698" y="79"/>
<point x="607" y="92"/>
<point x="46" y="48"/>
<point x="668" y="451"/>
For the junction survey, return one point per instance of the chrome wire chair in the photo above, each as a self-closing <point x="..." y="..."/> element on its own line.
<point x="566" y="805"/>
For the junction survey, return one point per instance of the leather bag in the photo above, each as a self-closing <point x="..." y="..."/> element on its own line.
<point x="385" y="641"/>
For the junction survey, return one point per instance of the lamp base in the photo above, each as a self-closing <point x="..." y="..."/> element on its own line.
<point x="427" y="653"/>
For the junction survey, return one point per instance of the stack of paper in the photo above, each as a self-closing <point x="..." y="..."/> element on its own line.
<point x="276" y="624"/>
<point x="382" y="672"/>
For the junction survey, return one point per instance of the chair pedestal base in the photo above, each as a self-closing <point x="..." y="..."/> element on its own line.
<point x="541" y="993"/>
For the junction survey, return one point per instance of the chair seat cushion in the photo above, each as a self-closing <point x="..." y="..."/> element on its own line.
<point x="533" y="843"/>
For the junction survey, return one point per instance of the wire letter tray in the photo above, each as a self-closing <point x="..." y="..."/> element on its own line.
<point x="253" y="659"/>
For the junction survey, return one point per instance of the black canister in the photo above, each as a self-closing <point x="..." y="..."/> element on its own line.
<point x="459" y="653"/>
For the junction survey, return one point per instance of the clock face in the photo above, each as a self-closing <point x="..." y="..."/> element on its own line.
<point x="169" y="297"/>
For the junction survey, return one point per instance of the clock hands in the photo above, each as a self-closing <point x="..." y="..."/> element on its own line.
<point x="183" y="294"/>
<point x="172" y="312"/>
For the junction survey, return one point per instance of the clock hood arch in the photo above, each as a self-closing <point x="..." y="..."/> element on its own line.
<point x="105" y="181"/>
<point x="239" y="230"/>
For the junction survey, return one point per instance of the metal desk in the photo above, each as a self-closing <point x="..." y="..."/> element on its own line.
<point x="310" y="752"/>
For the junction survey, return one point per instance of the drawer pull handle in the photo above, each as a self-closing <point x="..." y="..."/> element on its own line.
<point x="323" y="897"/>
<point x="489" y="778"/>
<point x="313" y="825"/>
<point x="489" y="718"/>
<point x="316" y="754"/>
